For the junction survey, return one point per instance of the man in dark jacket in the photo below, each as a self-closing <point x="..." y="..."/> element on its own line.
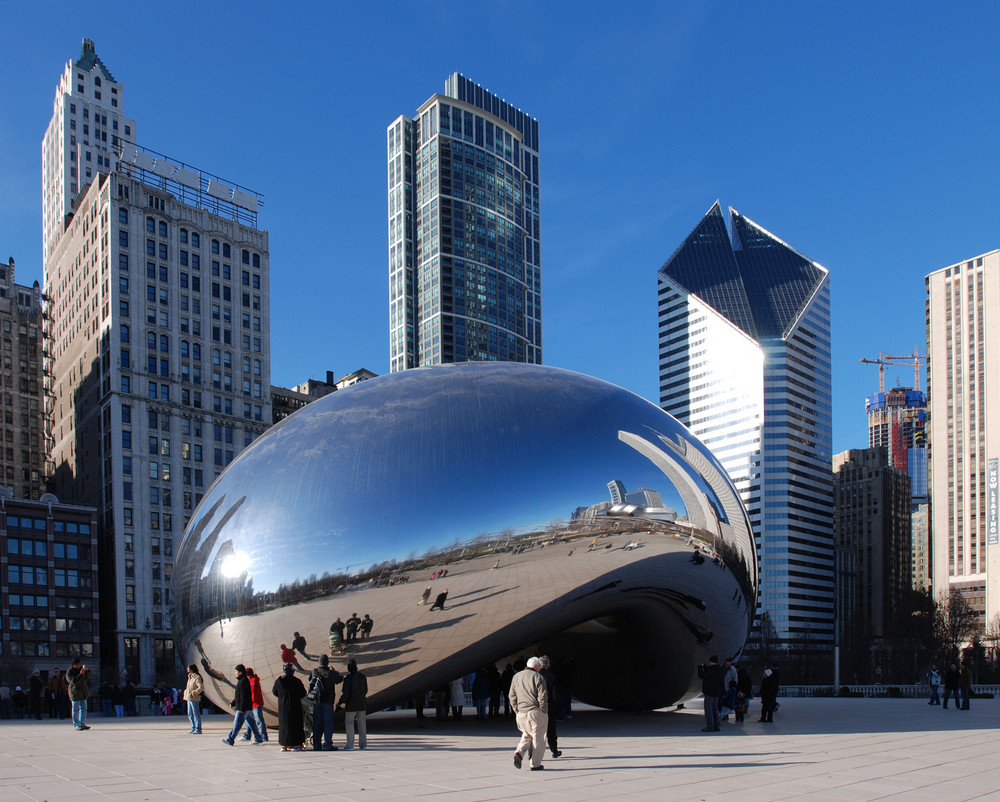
<point x="711" y="689"/>
<point x="951" y="683"/>
<point x="35" y="686"/>
<point x="243" y="703"/>
<point x="327" y="679"/>
<point x="552" y="684"/>
<point x="77" y="678"/>
<point x="354" y="700"/>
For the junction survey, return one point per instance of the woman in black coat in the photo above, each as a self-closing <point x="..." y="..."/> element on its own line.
<point x="290" y="691"/>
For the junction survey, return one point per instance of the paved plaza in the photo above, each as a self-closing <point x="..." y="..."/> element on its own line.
<point x="816" y="749"/>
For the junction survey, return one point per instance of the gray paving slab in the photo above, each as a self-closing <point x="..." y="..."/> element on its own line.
<point x="817" y="749"/>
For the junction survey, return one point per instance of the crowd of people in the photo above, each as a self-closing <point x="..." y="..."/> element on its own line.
<point x="728" y="690"/>
<point x="532" y="691"/>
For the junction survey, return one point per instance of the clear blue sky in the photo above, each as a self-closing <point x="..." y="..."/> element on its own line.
<point x="863" y="134"/>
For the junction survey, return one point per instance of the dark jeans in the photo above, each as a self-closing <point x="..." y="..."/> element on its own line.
<point x="322" y="726"/>
<point x="966" y="693"/>
<point x="711" y="712"/>
<point x="951" y="693"/>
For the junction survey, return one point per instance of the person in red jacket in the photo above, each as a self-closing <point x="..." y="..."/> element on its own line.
<point x="288" y="656"/>
<point x="257" y="709"/>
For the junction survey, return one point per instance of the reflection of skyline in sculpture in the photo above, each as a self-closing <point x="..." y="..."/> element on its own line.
<point x="297" y="531"/>
<point x="642" y="497"/>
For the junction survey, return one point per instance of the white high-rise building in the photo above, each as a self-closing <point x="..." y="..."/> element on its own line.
<point x="745" y="363"/>
<point x="963" y="384"/>
<point x="87" y="129"/>
<point x="157" y="348"/>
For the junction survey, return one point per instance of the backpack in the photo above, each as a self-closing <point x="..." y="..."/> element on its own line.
<point x="315" y="692"/>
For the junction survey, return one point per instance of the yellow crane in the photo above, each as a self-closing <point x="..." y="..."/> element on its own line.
<point x="885" y="359"/>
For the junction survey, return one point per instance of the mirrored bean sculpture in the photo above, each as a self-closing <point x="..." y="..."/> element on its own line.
<point x="468" y="515"/>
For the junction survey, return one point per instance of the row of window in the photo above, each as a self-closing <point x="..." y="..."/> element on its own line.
<point x="39" y="624"/>
<point x="38" y="548"/>
<point x="63" y="577"/>
<point x="61" y="602"/>
<point x="18" y="648"/>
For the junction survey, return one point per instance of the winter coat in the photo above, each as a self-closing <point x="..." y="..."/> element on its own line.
<point x="195" y="688"/>
<point x="77" y="679"/>
<point x="289" y="692"/>
<point x="354" y="695"/>
<point x="243" y="700"/>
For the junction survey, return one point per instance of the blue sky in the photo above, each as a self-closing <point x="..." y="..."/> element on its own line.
<point x="863" y="134"/>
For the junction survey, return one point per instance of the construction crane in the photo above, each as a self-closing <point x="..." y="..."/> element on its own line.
<point x="884" y="359"/>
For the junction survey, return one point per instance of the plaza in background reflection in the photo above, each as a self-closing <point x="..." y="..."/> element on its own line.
<point x="560" y="514"/>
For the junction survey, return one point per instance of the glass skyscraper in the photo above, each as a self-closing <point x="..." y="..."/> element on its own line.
<point x="744" y="323"/>
<point x="464" y="236"/>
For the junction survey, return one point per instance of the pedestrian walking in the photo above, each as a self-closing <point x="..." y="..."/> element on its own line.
<point x="243" y="704"/>
<point x="529" y="697"/>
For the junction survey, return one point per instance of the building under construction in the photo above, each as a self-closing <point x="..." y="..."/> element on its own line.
<point x="896" y="421"/>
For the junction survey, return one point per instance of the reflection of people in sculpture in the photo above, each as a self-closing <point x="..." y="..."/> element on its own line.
<point x="440" y="600"/>
<point x="426" y="595"/>
<point x="288" y="656"/>
<point x="352" y="627"/>
<point x="337" y="637"/>
<point x="697" y="558"/>
<point x="299" y="644"/>
<point x="290" y="691"/>
<point x="366" y="626"/>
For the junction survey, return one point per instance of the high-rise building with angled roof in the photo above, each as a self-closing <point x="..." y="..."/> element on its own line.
<point x="744" y="324"/>
<point x="464" y="237"/>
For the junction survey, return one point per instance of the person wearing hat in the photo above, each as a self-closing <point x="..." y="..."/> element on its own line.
<point x="20" y="702"/>
<point x="768" y="696"/>
<point x="77" y="678"/>
<point x="529" y="696"/>
<point x="354" y="701"/>
<point x="289" y="691"/>
<point x="323" y="692"/>
<point x="243" y="704"/>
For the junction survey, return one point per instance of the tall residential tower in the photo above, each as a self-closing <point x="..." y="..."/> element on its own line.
<point x="464" y="236"/>
<point x="745" y="363"/>
<point x="963" y="386"/>
<point x="156" y="298"/>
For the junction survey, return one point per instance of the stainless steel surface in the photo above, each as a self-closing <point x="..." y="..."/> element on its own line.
<point x="498" y="474"/>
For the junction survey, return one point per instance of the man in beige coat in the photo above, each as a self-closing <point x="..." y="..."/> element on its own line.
<point x="529" y="697"/>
